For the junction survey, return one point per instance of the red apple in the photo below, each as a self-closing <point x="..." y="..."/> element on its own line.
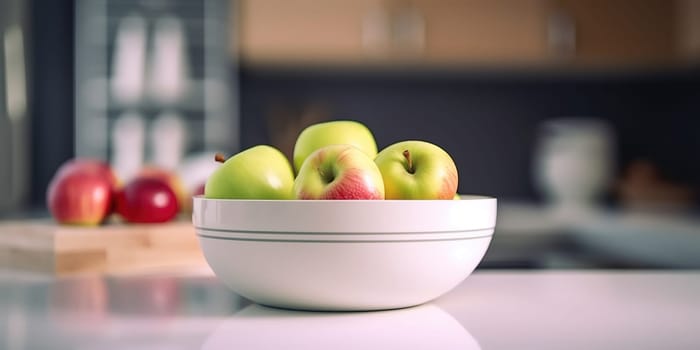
<point x="80" y="195"/>
<point x="147" y="200"/>
<point x="339" y="172"/>
<point x="172" y="179"/>
<point x="89" y="165"/>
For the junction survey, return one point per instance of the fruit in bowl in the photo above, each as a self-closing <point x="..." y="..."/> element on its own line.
<point x="260" y="172"/>
<point x="354" y="230"/>
<point x="337" y="160"/>
<point x="417" y="170"/>
<point x="338" y="132"/>
<point x="339" y="172"/>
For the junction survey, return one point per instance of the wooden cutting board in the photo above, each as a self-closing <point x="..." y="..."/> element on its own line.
<point x="45" y="247"/>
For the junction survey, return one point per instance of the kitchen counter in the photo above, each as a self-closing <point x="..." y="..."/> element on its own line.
<point x="527" y="235"/>
<point x="539" y="236"/>
<point x="492" y="309"/>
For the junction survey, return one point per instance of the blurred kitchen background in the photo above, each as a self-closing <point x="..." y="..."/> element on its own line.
<point x="581" y="117"/>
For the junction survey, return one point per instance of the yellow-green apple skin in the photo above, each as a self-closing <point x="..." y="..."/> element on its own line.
<point x="339" y="172"/>
<point x="259" y="172"/>
<point x="333" y="133"/>
<point x="417" y="170"/>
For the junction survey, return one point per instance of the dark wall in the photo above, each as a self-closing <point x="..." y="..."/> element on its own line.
<point x="52" y="91"/>
<point x="488" y="121"/>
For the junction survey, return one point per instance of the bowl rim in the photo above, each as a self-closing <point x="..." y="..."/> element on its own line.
<point x="222" y="217"/>
<point x="463" y="197"/>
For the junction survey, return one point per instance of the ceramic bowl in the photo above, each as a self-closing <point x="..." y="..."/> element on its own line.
<point x="344" y="255"/>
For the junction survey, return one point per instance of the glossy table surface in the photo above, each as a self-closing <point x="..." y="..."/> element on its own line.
<point x="492" y="309"/>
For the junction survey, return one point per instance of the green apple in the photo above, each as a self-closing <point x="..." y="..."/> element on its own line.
<point x="417" y="170"/>
<point x="339" y="172"/>
<point x="333" y="133"/>
<point x="260" y="172"/>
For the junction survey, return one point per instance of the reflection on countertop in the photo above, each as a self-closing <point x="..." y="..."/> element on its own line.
<point x="574" y="309"/>
<point x="184" y="312"/>
<point x="94" y="312"/>
<point x="420" y="327"/>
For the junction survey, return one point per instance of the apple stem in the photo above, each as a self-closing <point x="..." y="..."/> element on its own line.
<point x="409" y="167"/>
<point x="219" y="158"/>
<point x="325" y="175"/>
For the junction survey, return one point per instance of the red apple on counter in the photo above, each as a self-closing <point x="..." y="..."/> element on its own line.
<point x="339" y="172"/>
<point x="173" y="180"/>
<point x="89" y="165"/>
<point x="147" y="200"/>
<point x="81" y="192"/>
<point x="417" y="170"/>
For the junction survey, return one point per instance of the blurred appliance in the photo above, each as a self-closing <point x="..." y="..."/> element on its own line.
<point x="14" y="124"/>
<point x="574" y="162"/>
<point x="160" y="68"/>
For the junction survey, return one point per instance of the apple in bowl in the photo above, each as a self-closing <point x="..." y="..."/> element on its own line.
<point x="417" y="170"/>
<point x="259" y="172"/>
<point x="339" y="172"/>
<point x="337" y="132"/>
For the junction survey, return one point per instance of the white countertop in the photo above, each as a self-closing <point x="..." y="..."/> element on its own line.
<point x="492" y="309"/>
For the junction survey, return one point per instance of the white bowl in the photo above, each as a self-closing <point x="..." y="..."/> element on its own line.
<point x="344" y="255"/>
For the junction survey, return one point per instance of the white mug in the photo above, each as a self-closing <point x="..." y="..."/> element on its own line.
<point x="574" y="160"/>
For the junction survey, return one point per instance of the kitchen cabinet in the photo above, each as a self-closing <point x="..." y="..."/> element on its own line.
<point x="481" y="32"/>
<point x="379" y="31"/>
<point x="461" y="32"/>
<point x="622" y="31"/>
<point x="688" y="27"/>
<point x="303" y="31"/>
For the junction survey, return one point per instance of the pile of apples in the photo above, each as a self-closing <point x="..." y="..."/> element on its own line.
<point x="337" y="160"/>
<point x="86" y="192"/>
